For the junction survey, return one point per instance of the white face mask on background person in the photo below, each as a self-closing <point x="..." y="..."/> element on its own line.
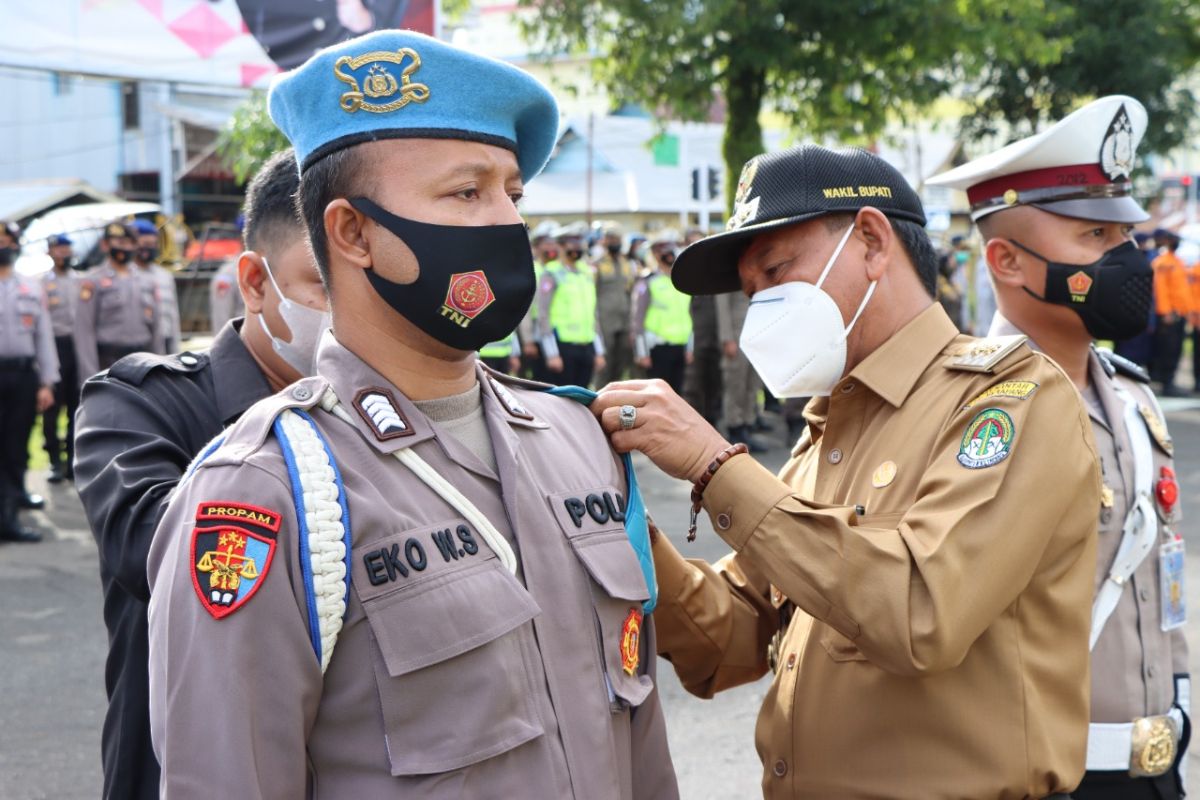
<point x="306" y="324"/>
<point x="794" y="335"/>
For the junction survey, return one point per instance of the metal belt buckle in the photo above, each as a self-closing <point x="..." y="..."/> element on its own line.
<point x="1154" y="742"/>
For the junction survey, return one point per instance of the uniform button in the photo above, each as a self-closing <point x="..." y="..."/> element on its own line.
<point x="1106" y="516"/>
<point x="1151" y="671"/>
<point x="723" y="521"/>
<point x="791" y="662"/>
<point x="318" y="23"/>
<point x="835" y="456"/>
<point x="301" y="393"/>
<point x="847" y="388"/>
<point x="188" y="360"/>
<point x="1144" y="593"/>
<point x="780" y="768"/>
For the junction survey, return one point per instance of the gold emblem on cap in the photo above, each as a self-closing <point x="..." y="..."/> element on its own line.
<point x="884" y="474"/>
<point x="1011" y="197"/>
<point x="379" y="82"/>
<point x="745" y="180"/>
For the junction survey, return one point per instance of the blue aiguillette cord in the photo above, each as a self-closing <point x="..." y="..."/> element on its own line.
<point x="635" y="509"/>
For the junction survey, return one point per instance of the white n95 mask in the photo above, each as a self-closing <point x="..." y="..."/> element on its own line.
<point x="306" y="324"/>
<point x="794" y="336"/>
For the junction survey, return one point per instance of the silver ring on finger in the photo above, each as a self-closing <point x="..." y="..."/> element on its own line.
<point x="628" y="416"/>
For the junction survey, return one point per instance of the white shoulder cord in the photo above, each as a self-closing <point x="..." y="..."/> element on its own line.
<point x="323" y="521"/>
<point x="441" y="486"/>
<point x="1141" y="528"/>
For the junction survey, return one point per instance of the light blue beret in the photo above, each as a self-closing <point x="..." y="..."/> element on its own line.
<point x="400" y="84"/>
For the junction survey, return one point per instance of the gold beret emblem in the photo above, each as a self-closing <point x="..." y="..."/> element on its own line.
<point x="379" y="83"/>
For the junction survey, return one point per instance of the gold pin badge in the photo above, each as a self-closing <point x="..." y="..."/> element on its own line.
<point x="884" y="474"/>
<point x="1011" y="197"/>
<point x="1106" y="496"/>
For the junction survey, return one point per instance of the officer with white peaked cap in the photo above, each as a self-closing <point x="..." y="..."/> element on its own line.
<point x="1055" y="211"/>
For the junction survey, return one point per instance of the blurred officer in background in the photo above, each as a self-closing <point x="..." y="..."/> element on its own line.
<point x="572" y="342"/>
<point x="59" y="285"/>
<point x="117" y="311"/>
<point x="28" y="372"/>
<point x="740" y="382"/>
<point x="1057" y="239"/>
<point x="224" y="299"/>
<point x="930" y="594"/>
<point x="1173" y="305"/>
<point x="142" y="423"/>
<point x="661" y="324"/>
<point x="545" y="253"/>
<point x="146" y="257"/>
<point x="702" y="378"/>
<point x="615" y="274"/>
<point x="503" y="355"/>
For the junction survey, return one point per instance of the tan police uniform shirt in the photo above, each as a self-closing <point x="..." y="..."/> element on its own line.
<point x="1134" y="662"/>
<point x="224" y="298"/>
<point x="118" y="309"/>
<point x="940" y="546"/>
<point x="25" y="328"/>
<point x="62" y="293"/>
<point x="451" y="677"/>
<point x="168" y="305"/>
<point x="614" y="283"/>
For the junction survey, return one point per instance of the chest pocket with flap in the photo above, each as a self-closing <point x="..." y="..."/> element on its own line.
<point x="448" y="658"/>
<point x="841" y="648"/>
<point x="593" y="522"/>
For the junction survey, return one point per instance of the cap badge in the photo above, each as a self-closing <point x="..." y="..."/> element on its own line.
<point x="468" y="296"/>
<point x="379" y="83"/>
<point x="1116" y="151"/>
<point x="744" y="209"/>
<point x="1011" y="197"/>
<point x="1079" y="285"/>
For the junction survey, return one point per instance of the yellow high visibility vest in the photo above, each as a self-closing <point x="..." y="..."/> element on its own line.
<point x="573" y="309"/>
<point x="668" y="316"/>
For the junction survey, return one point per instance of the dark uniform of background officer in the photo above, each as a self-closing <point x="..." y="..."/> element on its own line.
<point x="140" y="425"/>
<point x="28" y="368"/>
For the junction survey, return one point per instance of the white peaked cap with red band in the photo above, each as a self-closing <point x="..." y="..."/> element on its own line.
<point x="1079" y="167"/>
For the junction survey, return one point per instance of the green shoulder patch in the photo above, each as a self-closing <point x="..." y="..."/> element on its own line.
<point x="987" y="440"/>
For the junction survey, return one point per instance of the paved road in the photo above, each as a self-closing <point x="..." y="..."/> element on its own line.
<point x="52" y="646"/>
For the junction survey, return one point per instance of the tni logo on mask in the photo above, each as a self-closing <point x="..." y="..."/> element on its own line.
<point x="468" y="296"/>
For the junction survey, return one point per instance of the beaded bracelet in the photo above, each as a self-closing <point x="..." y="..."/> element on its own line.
<point x="699" y="486"/>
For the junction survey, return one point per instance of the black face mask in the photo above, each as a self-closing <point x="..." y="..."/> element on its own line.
<point x="667" y="259"/>
<point x="120" y="255"/>
<point x="147" y="254"/>
<point x="1112" y="295"/>
<point x="7" y="256"/>
<point x="574" y="254"/>
<point x="475" y="282"/>
<point x="614" y="249"/>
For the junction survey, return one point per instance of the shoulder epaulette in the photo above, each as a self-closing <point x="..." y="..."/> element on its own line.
<point x="1119" y="365"/>
<point x="134" y="368"/>
<point x="983" y="355"/>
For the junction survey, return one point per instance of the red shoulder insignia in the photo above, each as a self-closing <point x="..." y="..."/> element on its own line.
<point x="233" y="545"/>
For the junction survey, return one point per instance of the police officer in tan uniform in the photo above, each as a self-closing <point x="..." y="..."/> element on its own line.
<point x="408" y="576"/>
<point x="615" y="276"/>
<point x="145" y="256"/>
<point x="117" y="312"/>
<point x="224" y="299"/>
<point x="28" y="371"/>
<point x="919" y="574"/>
<point x="1057" y="234"/>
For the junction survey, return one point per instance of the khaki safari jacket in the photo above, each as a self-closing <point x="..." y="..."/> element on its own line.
<point x="935" y="530"/>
